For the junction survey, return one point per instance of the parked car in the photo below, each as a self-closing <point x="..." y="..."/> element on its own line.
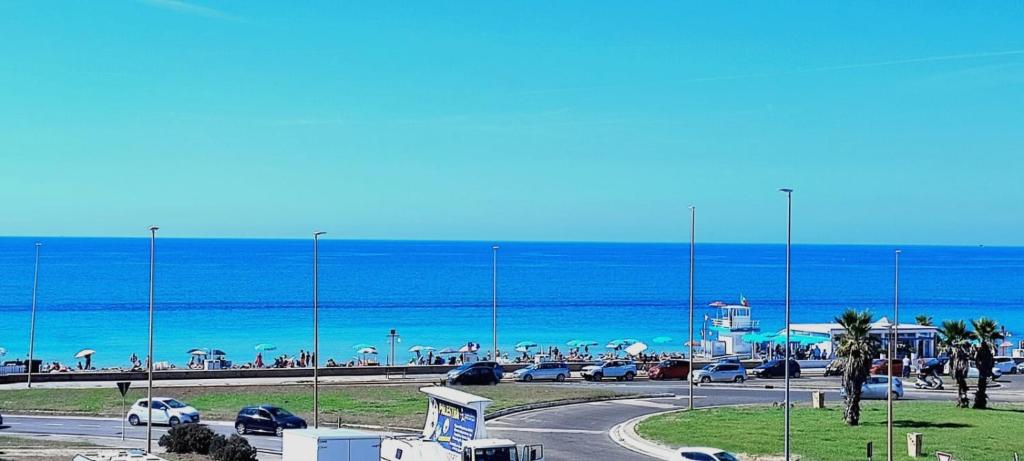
<point x="877" y="387"/>
<point x="834" y="368"/>
<point x="972" y="372"/>
<point x="165" y="411"/>
<point x="1006" y="365"/>
<point x="1" y="420"/>
<point x="720" y="372"/>
<point x="618" y="369"/>
<point x="476" y="373"/>
<point x="555" y="371"/>
<point x="267" y="418"/>
<point x="729" y="360"/>
<point x="933" y="367"/>
<point x="881" y="367"/>
<point x="777" y="369"/>
<point x="1020" y="368"/>
<point x="669" y="369"/>
<point x="705" y="454"/>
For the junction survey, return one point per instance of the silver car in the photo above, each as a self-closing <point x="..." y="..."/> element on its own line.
<point x="722" y="371"/>
<point x="554" y="371"/>
<point x="877" y="388"/>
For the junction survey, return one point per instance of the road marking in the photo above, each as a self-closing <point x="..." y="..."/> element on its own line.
<point x="53" y="424"/>
<point x="644" y="403"/>
<point x="597" y="404"/>
<point x="545" y="430"/>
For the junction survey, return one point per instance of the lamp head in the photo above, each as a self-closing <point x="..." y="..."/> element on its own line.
<point x="153" y="228"/>
<point x="786" y="190"/>
<point x="318" y="233"/>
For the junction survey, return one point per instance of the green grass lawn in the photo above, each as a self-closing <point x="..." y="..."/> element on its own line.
<point x="395" y="406"/>
<point x="821" y="435"/>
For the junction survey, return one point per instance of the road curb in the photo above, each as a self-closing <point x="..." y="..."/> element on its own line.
<point x="624" y="435"/>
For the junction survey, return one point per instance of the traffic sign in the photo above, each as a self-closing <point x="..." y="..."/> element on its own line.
<point x="123" y="387"/>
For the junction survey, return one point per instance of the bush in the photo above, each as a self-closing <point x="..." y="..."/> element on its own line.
<point x="233" y="449"/>
<point x="188" y="438"/>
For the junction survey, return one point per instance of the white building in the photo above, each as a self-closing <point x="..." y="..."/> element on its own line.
<point x="922" y="340"/>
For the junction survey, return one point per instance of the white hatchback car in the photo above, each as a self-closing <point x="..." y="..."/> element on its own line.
<point x="705" y="454"/>
<point x="165" y="411"/>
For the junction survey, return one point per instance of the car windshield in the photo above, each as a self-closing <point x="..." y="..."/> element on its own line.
<point x="665" y="363"/>
<point x="709" y="367"/>
<point x="279" y="412"/>
<point x="464" y="367"/>
<point x="723" y="456"/>
<point x="174" y="403"/>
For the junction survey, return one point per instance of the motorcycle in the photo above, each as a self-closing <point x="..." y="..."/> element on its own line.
<point x="928" y="381"/>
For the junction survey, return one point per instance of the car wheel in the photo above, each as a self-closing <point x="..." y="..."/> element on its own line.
<point x="629" y="376"/>
<point x="279" y="432"/>
<point x="240" y="428"/>
<point x="133" y="420"/>
<point x="598" y="376"/>
<point x="796" y="374"/>
<point x="527" y="378"/>
<point x="560" y="378"/>
<point x="738" y="379"/>
<point x="705" y="379"/>
<point x="174" y="421"/>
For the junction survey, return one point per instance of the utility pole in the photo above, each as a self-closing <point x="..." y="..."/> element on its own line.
<point x="693" y="221"/>
<point x="32" y="323"/>
<point x="149" y="387"/>
<point x="789" y="246"/>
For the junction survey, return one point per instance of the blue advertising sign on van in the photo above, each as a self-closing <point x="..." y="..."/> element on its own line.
<point x="455" y="425"/>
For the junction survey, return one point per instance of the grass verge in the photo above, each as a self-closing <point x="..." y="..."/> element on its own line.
<point x="394" y="406"/>
<point x="821" y="435"/>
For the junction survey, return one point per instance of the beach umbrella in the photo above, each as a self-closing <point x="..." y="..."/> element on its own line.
<point x="572" y="343"/>
<point x="447" y="351"/>
<point x="416" y="349"/>
<point x="522" y="350"/>
<point x="84" y="353"/>
<point x="362" y="346"/>
<point x="636" y="348"/>
<point x="469" y="347"/>
<point x="262" y="347"/>
<point x="526" y="344"/>
<point x="217" y="352"/>
<point x="3" y="352"/>
<point x="367" y="350"/>
<point x="586" y="342"/>
<point x="198" y="351"/>
<point x="662" y="339"/>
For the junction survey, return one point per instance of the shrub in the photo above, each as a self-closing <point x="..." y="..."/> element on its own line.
<point x="188" y="438"/>
<point x="234" y="449"/>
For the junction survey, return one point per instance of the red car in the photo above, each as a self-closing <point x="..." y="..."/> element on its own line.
<point x="881" y="367"/>
<point x="670" y="369"/>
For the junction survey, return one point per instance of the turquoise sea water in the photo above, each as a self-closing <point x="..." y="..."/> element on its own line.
<point x="234" y="294"/>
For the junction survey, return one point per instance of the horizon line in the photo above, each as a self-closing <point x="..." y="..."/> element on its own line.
<point x="493" y="241"/>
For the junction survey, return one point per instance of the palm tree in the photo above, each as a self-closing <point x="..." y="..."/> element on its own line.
<point x="987" y="332"/>
<point x="955" y="340"/>
<point x="856" y="348"/>
<point x="924" y="320"/>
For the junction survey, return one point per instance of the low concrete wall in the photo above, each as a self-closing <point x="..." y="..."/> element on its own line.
<point x="184" y="374"/>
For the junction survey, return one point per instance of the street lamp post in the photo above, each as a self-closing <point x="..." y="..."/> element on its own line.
<point x="894" y="338"/>
<point x="316" y="328"/>
<point x="693" y="221"/>
<point x="149" y="386"/>
<point x="789" y="245"/>
<point x="32" y="322"/>
<point x="494" y="301"/>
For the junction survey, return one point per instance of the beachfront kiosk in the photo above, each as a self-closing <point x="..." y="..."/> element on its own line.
<point x="455" y="430"/>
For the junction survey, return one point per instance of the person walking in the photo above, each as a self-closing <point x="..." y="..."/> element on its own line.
<point x="906" y="366"/>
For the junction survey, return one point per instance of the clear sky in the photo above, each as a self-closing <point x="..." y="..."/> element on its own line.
<point x="896" y="122"/>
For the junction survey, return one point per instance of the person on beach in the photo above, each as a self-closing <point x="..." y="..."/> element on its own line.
<point x="258" y="363"/>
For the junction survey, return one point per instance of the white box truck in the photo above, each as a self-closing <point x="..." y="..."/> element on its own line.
<point x="455" y="430"/>
<point x="330" y="445"/>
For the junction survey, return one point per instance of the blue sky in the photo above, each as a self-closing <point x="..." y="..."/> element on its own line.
<point x="895" y="123"/>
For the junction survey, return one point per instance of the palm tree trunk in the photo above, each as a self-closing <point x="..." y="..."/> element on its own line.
<point x="984" y="361"/>
<point x="959" y="369"/>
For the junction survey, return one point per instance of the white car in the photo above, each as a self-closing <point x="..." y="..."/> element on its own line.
<point x="972" y="373"/>
<point x="721" y="371"/>
<point x="165" y="411"/>
<point x="877" y="388"/>
<point x="1006" y="365"/>
<point x="618" y="369"/>
<point x="705" y="454"/>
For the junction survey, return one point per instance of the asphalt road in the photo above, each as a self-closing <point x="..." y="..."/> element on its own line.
<point x="568" y="433"/>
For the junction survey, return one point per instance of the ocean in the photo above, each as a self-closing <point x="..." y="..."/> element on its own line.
<point x="232" y="294"/>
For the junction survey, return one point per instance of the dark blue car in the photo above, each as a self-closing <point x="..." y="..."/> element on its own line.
<point x="268" y="419"/>
<point x="476" y="373"/>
